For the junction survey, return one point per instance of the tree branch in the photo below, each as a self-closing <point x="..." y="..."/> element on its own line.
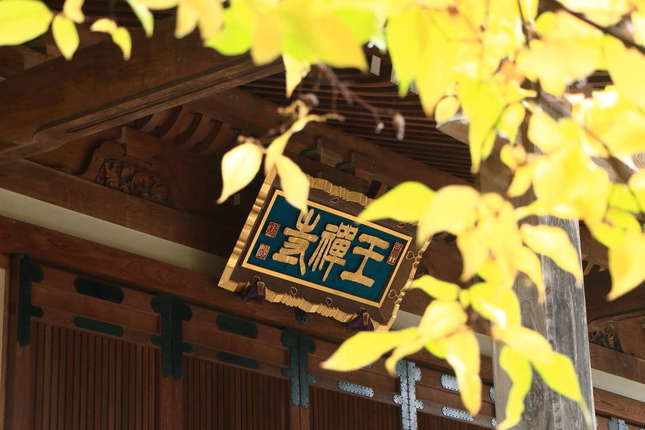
<point x="606" y="30"/>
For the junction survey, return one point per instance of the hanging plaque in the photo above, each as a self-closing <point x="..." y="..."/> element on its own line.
<point x="324" y="259"/>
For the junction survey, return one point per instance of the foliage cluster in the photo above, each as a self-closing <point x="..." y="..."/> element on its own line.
<point x="513" y="70"/>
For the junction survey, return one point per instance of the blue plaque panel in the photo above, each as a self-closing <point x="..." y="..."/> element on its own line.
<point x="326" y="249"/>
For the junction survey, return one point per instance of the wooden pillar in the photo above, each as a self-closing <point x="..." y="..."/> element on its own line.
<point x="20" y="363"/>
<point x="171" y="403"/>
<point x="562" y="318"/>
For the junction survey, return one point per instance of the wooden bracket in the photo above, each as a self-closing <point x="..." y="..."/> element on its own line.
<point x="173" y="311"/>
<point x="30" y="272"/>
<point x="409" y="374"/>
<point x="300" y="346"/>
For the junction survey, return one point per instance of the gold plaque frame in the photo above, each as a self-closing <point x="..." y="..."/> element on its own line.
<point x="313" y="298"/>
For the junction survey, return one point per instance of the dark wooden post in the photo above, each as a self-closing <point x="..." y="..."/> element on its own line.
<point x="562" y="319"/>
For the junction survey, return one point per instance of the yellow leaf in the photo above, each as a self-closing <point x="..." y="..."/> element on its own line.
<point x="452" y="209"/>
<point x="531" y="344"/>
<point x="637" y="185"/>
<point x="400" y="352"/>
<point x="462" y="353"/>
<point x="404" y="41"/>
<point x="519" y="372"/>
<point x="446" y="109"/>
<point x="407" y="202"/>
<point x="121" y="38"/>
<point x="436" y="348"/>
<point x="144" y="15"/>
<point x="625" y="198"/>
<point x="65" y="35"/>
<point x="483" y="117"/>
<point x="521" y="182"/>
<point x="239" y="167"/>
<point x="187" y="19"/>
<point x="529" y="263"/>
<point x="603" y="12"/>
<point x="104" y="25"/>
<point x="267" y="39"/>
<point x="626" y="70"/>
<point x="437" y="288"/>
<point x="500" y="305"/>
<point x="294" y="182"/>
<point x="159" y="4"/>
<point x="73" y="9"/>
<point x="366" y="347"/>
<point x="510" y="121"/>
<point x="560" y="375"/>
<point x="441" y="318"/>
<point x="22" y="21"/>
<point x="529" y="9"/>
<point x="567" y="50"/>
<point x="295" y="71"/>
<point x="277" y="147"/>
<point x="569" y="184"/>
<point x="474" y="252"/>
<point x="210" y="16"/>
<point x="626" y="264"/>
<point x="555" y="244"/>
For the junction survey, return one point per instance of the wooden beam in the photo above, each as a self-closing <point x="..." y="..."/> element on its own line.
<point x="614" y="405"/>
<point x="599" y="309"/>
<point x="617" y="363"/>
<point x="110" y="264"/>
<point x="74" y="193"/>
<point x="254" y="115"/>
<point x="61" y="101"/>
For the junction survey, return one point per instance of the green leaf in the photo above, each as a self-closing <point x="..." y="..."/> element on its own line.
<point x="366" y="347"/>
<point x="22" y="21"/>
<point x="437" y="288"/>
<point x="519" y="372"/>
<point x="65" y="35"/>
<point x="144" y="15"/>
<point x="555" y="244"/>
<point x="239" y="167"/>
<point x="294" y="182"/>
<point x="407" y="202"/>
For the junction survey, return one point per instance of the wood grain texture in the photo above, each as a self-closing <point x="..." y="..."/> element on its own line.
<point x="89" y="382"/>
<point x="561" y="319"/>
<point x="218" y="397"/>
<point x="613" y="405"/>
<point x="49" y="105"/>
<point x="4" y="323"/>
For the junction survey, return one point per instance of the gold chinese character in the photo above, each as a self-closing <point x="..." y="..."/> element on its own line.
<point x="333" y="246"/>
<point x="368" y="254"/>
<point x="294" y="248"/>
